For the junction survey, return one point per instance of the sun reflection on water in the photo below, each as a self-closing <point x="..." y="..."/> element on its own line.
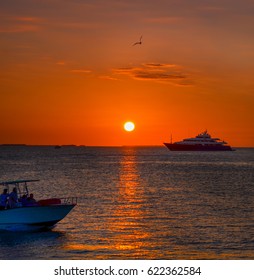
<point x="127" y="221"/>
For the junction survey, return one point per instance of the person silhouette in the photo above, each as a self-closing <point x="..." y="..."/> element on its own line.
<point x="3" y="199"/>
<point x="13" y="198"/>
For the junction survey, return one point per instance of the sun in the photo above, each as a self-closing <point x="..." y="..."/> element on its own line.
<point x="129" y="126"/>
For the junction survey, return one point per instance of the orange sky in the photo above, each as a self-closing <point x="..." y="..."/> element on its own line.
<point x="70" y="75"/>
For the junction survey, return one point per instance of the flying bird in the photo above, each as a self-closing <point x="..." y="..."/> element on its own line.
<point x="139" y="42"/>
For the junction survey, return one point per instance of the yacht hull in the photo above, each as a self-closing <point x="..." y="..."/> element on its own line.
<point x="34" y="217"/>
<point x="197" y="147"/>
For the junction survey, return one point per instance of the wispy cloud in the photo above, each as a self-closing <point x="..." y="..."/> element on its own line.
<point x="108" y="77"/>
<point x="166" y="73"/>
<point x="81" y="71"/>
<point x="10" y="24"/>
<point x="28" y="19"/>
<point x="61" y="63"/>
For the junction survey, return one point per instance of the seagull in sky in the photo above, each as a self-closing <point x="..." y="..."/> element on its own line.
<point x="139" y="42"/>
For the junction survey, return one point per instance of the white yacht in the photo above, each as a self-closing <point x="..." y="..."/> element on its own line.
<point x="202" y="142"/>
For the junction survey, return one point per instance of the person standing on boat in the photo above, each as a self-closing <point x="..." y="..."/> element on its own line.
<point x="13" y="198"/>
<point x="3" y="199"/>
<point x="30" y="201"/>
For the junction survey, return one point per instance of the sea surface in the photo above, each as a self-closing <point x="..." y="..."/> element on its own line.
<point x="136" y="203"/>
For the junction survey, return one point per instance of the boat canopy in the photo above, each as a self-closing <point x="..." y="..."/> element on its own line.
<point x="17" y="182"/>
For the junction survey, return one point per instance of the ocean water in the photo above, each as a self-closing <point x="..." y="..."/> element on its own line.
<point x="136" y="203"/>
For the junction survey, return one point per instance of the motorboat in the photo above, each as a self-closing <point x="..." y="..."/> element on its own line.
<point x="202" y="142"/>
<point x="26" y="213"/>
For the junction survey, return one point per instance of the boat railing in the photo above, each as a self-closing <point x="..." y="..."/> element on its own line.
<point x="58" y="201"/>
<point x="69" y="200"/>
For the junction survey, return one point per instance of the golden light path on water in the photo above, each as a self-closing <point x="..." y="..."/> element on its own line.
<point x="129" y="215"/>
<point x="126" y="222"/>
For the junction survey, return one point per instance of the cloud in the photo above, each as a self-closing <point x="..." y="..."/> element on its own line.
<point x="10" y="24"/>
<point x="61" y="63"/>
<point x="166" y="73"/>
<point x="107" y="77"/>
<point x="28" y="19"/>
<point x="81" y="71"/>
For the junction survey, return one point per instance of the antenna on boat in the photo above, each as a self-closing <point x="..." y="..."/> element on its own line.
<point x="171" y="138"/>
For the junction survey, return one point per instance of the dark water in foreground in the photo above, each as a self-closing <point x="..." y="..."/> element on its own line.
<point x="137" y="203"/>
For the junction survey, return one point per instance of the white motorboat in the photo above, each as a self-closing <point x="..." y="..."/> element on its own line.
<point x="28" y="214"/>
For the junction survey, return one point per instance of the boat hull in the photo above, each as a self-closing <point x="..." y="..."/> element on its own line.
<point x="34" y="217"/>
<point x="197" y="147"/>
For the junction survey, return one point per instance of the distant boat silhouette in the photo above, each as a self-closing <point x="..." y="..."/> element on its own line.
<point x="139" y="42"/>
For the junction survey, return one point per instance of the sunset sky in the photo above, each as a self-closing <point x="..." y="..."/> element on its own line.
<point x="69" y="73"/>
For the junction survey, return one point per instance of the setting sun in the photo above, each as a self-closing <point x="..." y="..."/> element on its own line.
<point x="129" y="126"/>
